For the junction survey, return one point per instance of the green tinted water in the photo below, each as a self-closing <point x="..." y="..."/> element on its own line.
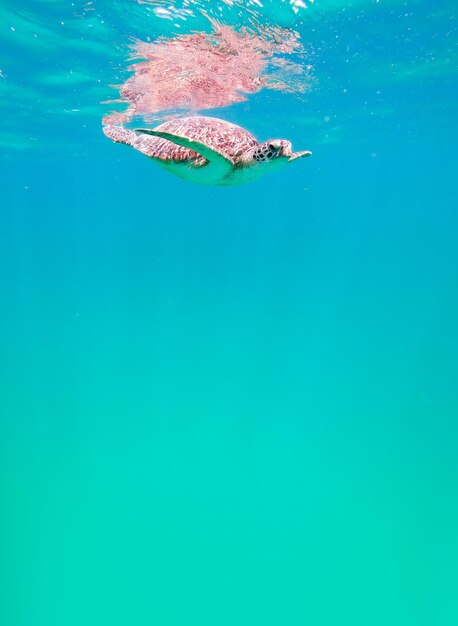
<point x="231" y="406"/>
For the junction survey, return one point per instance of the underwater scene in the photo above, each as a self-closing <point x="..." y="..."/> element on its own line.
<point x="228" y="313"/>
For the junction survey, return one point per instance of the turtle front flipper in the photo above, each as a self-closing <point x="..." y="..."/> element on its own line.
<point x="218" y="165"/>
<point x="299" y="155"/>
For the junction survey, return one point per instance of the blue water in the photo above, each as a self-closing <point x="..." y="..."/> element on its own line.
<point x="226" y="406"/>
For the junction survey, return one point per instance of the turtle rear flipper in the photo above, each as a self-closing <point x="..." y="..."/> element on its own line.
<point x="119" y="134"/>
<point x="218" y="165"/>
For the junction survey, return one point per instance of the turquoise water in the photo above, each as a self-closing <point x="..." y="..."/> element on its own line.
<point x="227" y="406"/>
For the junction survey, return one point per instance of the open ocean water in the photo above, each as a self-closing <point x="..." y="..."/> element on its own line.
<point x="231" y="406"/>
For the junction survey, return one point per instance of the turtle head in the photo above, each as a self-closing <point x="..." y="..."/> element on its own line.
<point x="273" y="150"/>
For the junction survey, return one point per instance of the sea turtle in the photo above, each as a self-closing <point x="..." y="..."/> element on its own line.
<point x="207" y="150"/>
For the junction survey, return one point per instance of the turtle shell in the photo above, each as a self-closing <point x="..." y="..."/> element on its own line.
<point x="229" y="140"/>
